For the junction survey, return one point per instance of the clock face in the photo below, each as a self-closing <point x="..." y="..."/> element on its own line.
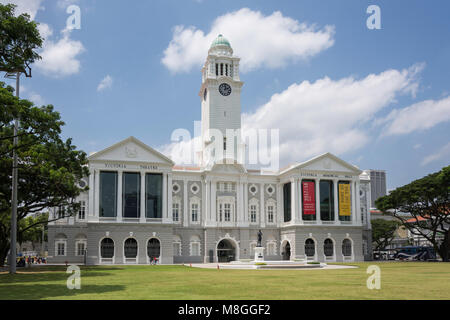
<point x="225" y="89"/>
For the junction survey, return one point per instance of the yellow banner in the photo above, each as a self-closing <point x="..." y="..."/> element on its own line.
<point x="344" y="200"/>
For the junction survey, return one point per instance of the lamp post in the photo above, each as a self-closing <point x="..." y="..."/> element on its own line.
<point x="13" y="240"/>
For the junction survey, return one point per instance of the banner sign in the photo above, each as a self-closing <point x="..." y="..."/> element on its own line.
<point x="308" y="197"/>
<point x="344" y="199"/>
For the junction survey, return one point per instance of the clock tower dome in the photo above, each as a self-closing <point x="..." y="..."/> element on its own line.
<point x="220" y="95"/>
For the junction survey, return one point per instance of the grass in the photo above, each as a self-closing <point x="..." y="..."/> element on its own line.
<point x="399" y="280"/>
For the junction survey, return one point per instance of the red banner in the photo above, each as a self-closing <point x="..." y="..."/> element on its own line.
<point x="308" y="198"/>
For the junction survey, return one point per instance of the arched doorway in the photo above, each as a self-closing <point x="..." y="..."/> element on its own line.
<point x="130" y="250"/>
<point x="107" y="251"/>
<point x="153" y="250"/>
<point x="286" y="253"/>
<point x="226" y="251"/>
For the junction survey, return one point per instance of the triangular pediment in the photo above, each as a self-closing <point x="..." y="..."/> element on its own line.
<point x="232" y="167"/>
<point x="131" y="150"/>
<point x="329" y="163"/>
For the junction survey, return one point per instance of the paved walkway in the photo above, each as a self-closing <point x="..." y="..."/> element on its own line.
<point x="245" y="267"/>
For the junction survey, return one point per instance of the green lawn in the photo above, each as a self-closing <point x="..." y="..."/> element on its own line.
<point x="399" y="280"/>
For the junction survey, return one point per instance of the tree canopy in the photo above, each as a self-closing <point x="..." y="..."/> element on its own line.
<point x="383" y="232"/>
<point x="427" y="202"/>
<point x="49" y="167"/>
<point x="20" y="39"/>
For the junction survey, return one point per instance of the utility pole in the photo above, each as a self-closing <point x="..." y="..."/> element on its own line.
<point x="13" y="240"/>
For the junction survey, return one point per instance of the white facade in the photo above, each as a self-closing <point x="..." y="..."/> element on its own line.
<point x="141" y="206"/>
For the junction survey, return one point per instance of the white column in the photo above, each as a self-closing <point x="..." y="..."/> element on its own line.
<point x="97" y="192"/>
<point x="317" y="196"/>
<point x="186" y="202"/>
<point x="279" y="217"/>
<point x="239" y="203"/>
<point x="164" y="204"/>
<point x="91" y="200"/>
<point x="119" y="196"/>
<point x="169" y="198"/>
<point x="208" y="200"/>
<point x="336" y="200"/>
<point x="293" y="201"/>
<point x="262" y="206"/>
<point x="213" y="201"/>
<point x="142" y="218"/>
<point x="358" y="203"/>
<point x="352" y="193"/>
<point x="245" y="202"/>
<point x="300" y="201"/>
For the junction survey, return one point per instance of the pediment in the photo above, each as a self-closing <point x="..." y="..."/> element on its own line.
<point x="131" y="150"/>
<point x="225" y="168"/>
<point x="328" y="163"/>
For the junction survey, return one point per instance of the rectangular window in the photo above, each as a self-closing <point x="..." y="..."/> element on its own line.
<point x="81" y="247"/>
<point x="194" y="212"/>
<point x="270" y="214"/>
<point x="153" y="195"/>
<point x="220" y="212"/>
<point x="217" y="69"/>
<point x="82" y="211"/>
<point x="131" y="194"/>
<point x="221" y="69"/>
<point x="227" y="212"/>
<point x="287" y="201"/>
<point x="176" y="212"/>
<point x="195" y="251"/>
<point x="61" y="249"/>
<point x="345" y="201"/>
<point x="253" y="213"/>
<point x="108" y="194"/>
<point x="309" y="200"/>
<point x="226" y="69"/>
<point x="326" y="200"/>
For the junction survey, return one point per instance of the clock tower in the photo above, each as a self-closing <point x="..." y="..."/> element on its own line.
<point x="220" y="95"/>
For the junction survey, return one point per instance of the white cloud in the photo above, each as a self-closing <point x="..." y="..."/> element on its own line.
<point x="418" y="117"/>
<point x="105" y="83"/>
<point x="60" y="57"/>
<point x="329" y="115"/>
<point x="261" y="41"/>
<point x="63" y="4"/>
<point x="443" y="152"/>
<point x="25" y="6"/>
<point x="36" y="98"/>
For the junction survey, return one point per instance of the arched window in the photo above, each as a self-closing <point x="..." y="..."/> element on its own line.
<point x="310" y="248"/>
<point x="107" y="248"/>
<point x="130" y="248"/>
<point x="346" y="248"/>
<point x="328" y="247"/>
<point x="153" y="249"/>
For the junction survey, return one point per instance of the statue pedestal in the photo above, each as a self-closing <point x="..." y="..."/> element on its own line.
<point x="259" y="254"/>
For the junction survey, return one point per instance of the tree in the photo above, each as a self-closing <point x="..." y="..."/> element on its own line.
<point x="427" y="200"/>
<point x="383" y="232"/>
<point x="19" y="40"/>
<point x="31" y="229"/>
<point x="49" y="167"/>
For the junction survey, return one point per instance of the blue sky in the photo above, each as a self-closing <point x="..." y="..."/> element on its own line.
<point x="376" y="98"/>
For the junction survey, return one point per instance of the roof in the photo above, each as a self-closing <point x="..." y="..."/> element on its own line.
<point x="220" y="41"/>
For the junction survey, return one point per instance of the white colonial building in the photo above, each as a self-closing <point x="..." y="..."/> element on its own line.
<point x="141" y="206"/>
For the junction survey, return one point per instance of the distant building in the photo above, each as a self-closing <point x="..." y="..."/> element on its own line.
<point x="377" y="185"/>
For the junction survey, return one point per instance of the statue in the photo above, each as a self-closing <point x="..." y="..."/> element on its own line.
<point x="259" y="239"/>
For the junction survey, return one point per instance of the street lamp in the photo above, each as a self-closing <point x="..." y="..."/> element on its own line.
<point x="12" y="259"/>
